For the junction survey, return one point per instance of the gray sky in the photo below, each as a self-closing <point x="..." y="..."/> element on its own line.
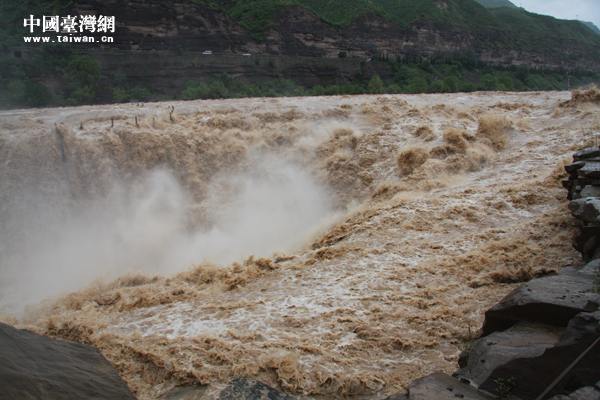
<point x="584" y="10"/>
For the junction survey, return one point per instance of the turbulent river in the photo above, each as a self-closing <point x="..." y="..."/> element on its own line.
<point x="327" y="246"/>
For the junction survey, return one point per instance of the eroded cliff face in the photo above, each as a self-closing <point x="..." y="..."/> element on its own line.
<point x="167" y="25"/>
<point x="299" y="32"/>
<point x="189" y="27"/>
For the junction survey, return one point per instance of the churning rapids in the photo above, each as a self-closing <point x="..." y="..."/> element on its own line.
<point x="330" y="246"/>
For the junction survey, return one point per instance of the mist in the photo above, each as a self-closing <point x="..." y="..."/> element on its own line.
<point x="272" y="207"/>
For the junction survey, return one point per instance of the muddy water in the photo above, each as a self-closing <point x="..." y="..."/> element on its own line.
<point x="331" y="246"/>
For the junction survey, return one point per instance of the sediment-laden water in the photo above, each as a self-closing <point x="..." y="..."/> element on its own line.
<point x="330" y="246"/>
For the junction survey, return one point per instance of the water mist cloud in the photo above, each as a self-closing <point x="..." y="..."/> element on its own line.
<point x="273" y="207"/>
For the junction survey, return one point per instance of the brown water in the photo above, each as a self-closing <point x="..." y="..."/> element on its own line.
<point x="330" y="246"/>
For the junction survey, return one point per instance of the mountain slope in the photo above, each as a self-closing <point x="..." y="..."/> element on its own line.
<point x="405" y="29"/>
<point x="403" y="13"/>
<point x="496" y="3"/>
<point x="541" y="30"/>
<point x="592" y="26"/>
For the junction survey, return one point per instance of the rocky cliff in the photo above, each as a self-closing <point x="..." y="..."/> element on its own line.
<point x="189" y="27"/>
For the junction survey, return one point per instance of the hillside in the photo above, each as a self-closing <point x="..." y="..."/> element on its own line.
<point x="496" y="3"/>
<point x="503" y="26"/>
<point x="288" y="47"/>
<point x="542" y="29"/>
<point x="592" y="27"/>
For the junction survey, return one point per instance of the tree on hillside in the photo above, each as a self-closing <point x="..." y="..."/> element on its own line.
<point x="82" y="73"/>
<point x="375" y="85"/>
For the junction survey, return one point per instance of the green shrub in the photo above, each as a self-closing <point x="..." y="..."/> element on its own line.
<point x="394" y="88"/>
<point x="195" y="90"/>
<point x="81" y="76"/>
<point x="332" y="90"/>
<point x="36" y="94"/>
<point x="451" y="83"/>
<point x="121" y="95"/>
<point x="438" y="87"/>
<point x="82" y="95"/>
<point x="418" y="85"/>
<point x="318" y="90"/>
<point x="140" y="93"/>
<point x="489" y="82"/>
<point x="16" y="90"/>
<point x="375" y="85"/>
<point x="468" y="87"/>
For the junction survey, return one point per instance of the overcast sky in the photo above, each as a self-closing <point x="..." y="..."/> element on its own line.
<point x="584" y="10"/>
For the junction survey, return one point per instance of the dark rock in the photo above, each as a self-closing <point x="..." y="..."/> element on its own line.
<point x="585" y="393"/>
<point x="587" y="241"/>
<point x="36" y="367"/>
<point x="551" y="300"/>
<point x="591" y="169"/>
<point x="398" y="396"/>
<point x="573" y="167"/>
<point x="590" y="191"/>
<point x="186" y="393"/>
<point x="250" y="389"/>
<point x="435" y="386"/>
<point x="586" y="209"/>
<point x="532" y="375"/>
<point x="586" y="154"/>
<point x="586" y="324"/>
<point x="524" y="340"/>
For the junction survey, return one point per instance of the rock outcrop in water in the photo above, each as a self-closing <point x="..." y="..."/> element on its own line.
<point x="584" y="190"/>
<point x="37" y="367"/>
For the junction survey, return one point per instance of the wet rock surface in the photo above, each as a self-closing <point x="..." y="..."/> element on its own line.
<point x="552" y="300"/>
<point x="584" y="173"/>
<point x="532" y="366"/>
<point x="585" y="393"/>
<point x="443" y="387"/>
<point x="186" y="393"/>
<point x="250" y="389"/>
<point x="36" y="367"/>
<point x="584" y="190"/>
<point x="524" y="340"/>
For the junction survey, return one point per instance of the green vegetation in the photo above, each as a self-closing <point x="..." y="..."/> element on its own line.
<point x="446" y="75"/>
<point x="81" y="74"/>
<point x="542" y="30"/>
<point x="592" y="27"/>
<point x="225" y="86"/>
<point x="495" y="3"/>
<point x="505" y="389"/>
<point x="22" y="83"/>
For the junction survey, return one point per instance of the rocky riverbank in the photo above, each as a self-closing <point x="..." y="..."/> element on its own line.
<point x="546" y="329"/>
